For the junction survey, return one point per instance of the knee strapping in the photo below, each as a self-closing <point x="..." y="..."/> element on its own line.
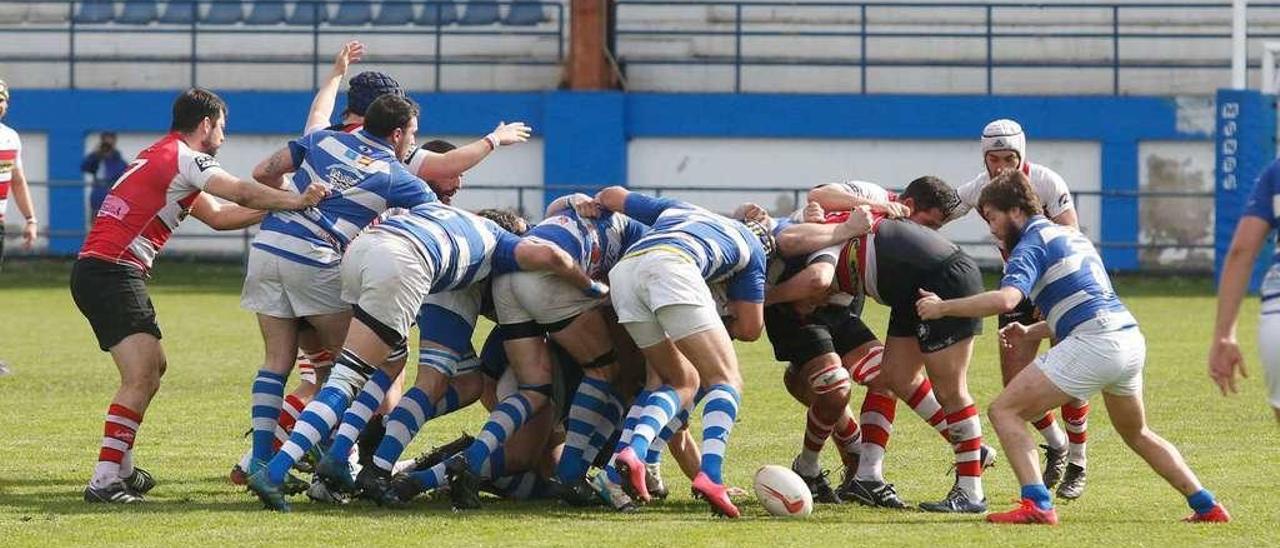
<point x="868" y="368"/>
<point x="398" y="353"/>
<point x="544" y="389"/>
<point x="828" y="380"/>
<point x="350" y="373"/>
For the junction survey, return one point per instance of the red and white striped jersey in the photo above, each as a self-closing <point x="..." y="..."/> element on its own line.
<point x="10" y="159"/>
<point x="147" y="203"/>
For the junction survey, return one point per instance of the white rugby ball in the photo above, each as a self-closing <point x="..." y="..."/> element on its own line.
<point x="782" y="492"/>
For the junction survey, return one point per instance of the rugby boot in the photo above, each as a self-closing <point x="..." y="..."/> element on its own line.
<point x="1027" y="513"/>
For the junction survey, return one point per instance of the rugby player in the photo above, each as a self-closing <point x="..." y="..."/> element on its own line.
<point x="293" y="272"/>
<point x="386" y="275"/>
<point x="1252" y="232"/>
<point x="1004" y="148"/>
<point x="172" y="178"/>
<point x="12" y="175"/>
<point x="825" y="341"/>
<point x="890" y="264"/>
<point x="1100" y="347"/>
<point x="664" y="302"/>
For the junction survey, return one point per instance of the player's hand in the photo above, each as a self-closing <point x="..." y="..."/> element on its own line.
<point x="929" y="306"/>
<point x="1224" y="360"/>
<point x="1013" y="334"/>
<point x="750" y="212"/>
<point x="585" y="207"/>
<point x="859" y="221"/>
<point x="510" y="134"/>
<point x="29" y="233"/>
<point x="894" y="210"/>
<point x="351" y="52"/>
<point x="813" y="213"/>
<point x="313" y="194"/>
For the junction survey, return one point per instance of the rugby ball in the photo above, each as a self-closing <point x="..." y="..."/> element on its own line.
<point x="782" y="492"/>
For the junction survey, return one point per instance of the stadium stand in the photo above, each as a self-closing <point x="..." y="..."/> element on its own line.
<point x="224" y="12"/>
<point x="438" y="14"/>
<point x="523" y="13"/>
<point x="395" y="13"/>
<point x="308" y="13"/>
<point x="353" y="13"/>
<point x="179" y="12"/>
<point x="480" y="12"/>
<point x="95" y="11"/>
<point x="138" y="12"/>
<point x="266" y="13"/>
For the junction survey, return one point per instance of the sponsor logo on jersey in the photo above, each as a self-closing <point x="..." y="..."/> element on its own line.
<point x="341" y="177"/>
<point x="204" y="162"/>
<point x="113" y="206"/>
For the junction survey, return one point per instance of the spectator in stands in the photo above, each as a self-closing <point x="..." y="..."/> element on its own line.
<point x="103" y="166"/>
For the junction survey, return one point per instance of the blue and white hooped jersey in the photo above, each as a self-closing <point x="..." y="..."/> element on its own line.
<point x="595" y="244"/>
<point x="1060" y="270"/>
<point x="722" y="248"/>
<point x="365" y="179"/>
<point x="458" y="247"/>
<point x="1263" y="203"/>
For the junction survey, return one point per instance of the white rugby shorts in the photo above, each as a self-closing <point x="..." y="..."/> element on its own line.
<point x="1084" y="364"/>
<point x="383" y="275"/>
<point x="281" y="288"/>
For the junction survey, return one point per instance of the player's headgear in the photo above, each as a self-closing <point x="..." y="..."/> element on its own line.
<point x="1005" y="134"/>
<point x="763" y="229"/>
<point x="4" y="90"/>
<point x="366" y="87"/>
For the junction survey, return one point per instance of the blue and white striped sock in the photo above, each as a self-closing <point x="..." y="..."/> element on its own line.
<point x="268" y="397"/>
<point x="413" y="411"/>
<point x="505" y="419"/>
<point x="604" y="430"/>
<point x="718" y="416"/>
<point x="663" y="404"/>
<point x="587" y="412"/>
<point x="656" y="448"/>
<point x="628" y="431"/>
<point x="430" y="478"/>
<point x="357" y="416"/>
<point x="448" y="403"/>
<point x="321" y="415"/>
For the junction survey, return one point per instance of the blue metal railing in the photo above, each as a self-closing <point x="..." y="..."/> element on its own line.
<point x="866" y="30"/>
<point x="438" y="31"/>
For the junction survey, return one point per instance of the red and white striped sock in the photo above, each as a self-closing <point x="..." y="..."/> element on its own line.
<point x="1053" y="434"/>
<point x="848" y="438"/>
<point x="289" y="412"/>
<point x="877" y="425"/>
<point x="926" y="406"/>
<point x="966" y="430"/>
<point x="816" y="432"/>
<point x="1077" y="419"/>
<point x="118" y="433"/>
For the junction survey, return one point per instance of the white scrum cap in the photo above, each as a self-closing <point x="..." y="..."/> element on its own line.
<point x="1005" y="134"/>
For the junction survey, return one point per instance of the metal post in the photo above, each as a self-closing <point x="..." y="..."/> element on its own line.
<point x="560" y="32"/>
<point x="195" y="12"/>
<point x="737" y="48"/>
<point x="439" y="12"/>
<point x="315" y="45"/>
<point x="1270" y="85"/>
<point x="990" y="53"/>
<point x="1239" y="45"/>
<point x="862" y="51"/>
<point x="1115" y="50"/>
<point x="520" y="199"/>
<point x="71" y="44"/>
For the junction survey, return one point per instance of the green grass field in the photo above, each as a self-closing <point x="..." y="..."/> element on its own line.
<point x="51" y="413"/>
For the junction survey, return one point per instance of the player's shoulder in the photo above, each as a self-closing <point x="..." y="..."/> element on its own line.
<point x="8" y="135"/>
<point x="970" y="190"/>
<point x="1043" y="175"/>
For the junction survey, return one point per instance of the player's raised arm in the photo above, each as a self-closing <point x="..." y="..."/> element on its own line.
<point x="805" y="238"/>
<point x="220" y="216"/>
<point x="322" y="106"/>
<point x="429" y="165"/>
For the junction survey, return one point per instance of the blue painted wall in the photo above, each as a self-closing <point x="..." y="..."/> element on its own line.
<point x="585" y="134"/>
